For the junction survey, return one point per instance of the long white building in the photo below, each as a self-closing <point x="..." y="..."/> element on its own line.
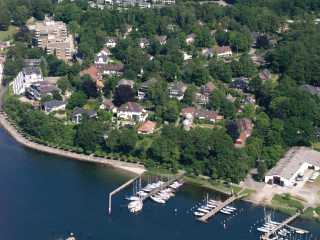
<point x="25" y="78"/>
<point x="296" y="161"/>
<point x="2" y="60"/>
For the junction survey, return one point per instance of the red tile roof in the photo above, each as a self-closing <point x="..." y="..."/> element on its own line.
<point x="223" y="49"/>
<point x="147" y="127"/>
<point x="93" y="72"/>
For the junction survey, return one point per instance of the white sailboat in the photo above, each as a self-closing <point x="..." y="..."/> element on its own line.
<point x="158" y="199"/>
<point x="135" y="206"/>
<point x="198" y="214"/>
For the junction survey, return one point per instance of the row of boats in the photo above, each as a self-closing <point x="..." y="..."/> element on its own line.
<point x="161" y="196"/>
<point x="165" y="194"/>
<point x="281" y="234"/>
<point x="210" y="205"/>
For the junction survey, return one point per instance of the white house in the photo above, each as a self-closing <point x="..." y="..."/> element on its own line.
<point x="102" y="57"/>
<point x="186" y="56"/>
<point x="132" y="111"/>
<point x="177" y="90"/>
<point x="25" y="78"/>
<point x="111" y="69"/>
<point x="296" y="161"/>
<point x="111" y="42"/>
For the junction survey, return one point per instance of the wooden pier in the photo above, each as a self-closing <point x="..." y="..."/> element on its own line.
<point x="153" y="192"/>
<point x="267" y="235"/>
<point x="221" y="205"/>
<point x="119" y="189"/>
<point x="163" y="186"/>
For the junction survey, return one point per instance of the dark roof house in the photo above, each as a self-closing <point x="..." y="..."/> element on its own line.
<point x="53" y="105"/>
<point x="78" y="114"/>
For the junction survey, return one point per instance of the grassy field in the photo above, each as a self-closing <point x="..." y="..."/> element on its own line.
<point x="218" y="186"/>
<point x="312" y="213"/>
<point x="7" y="35"/>
<point x="316" y="146"/>
<point x="286" y="203"/>
<point x="91" y="105"/>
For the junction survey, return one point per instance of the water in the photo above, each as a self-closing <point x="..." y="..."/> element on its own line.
<point x="47" y="197"/>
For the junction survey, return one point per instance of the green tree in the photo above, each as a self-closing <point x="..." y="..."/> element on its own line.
<point x="171" y="111"/>
<point x="77" y="99"/>
<point x="4" y="18"/>
<point x="89" y="135"/>
<point x="122" y="140"/>
<point x="220" y="71"/>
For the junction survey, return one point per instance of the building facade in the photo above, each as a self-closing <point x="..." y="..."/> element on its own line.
<point x="25" y="79"/>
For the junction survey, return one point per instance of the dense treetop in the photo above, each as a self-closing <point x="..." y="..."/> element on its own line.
<point x="285" y="115"/>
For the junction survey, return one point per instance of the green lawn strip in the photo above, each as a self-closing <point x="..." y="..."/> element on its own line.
<point x="312" y="213"/>
<point x="219" y="186"/>
<point x="316" y="146"/>
<point x="286" y="203"/>
<point x="7" y="35"/>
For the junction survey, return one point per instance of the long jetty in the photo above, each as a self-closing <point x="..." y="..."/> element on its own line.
<point x="118" y="189"/>
<point x="221" y="205"/>
<point x="267" y="235"/>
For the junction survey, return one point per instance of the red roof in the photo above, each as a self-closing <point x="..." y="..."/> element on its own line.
<point x="188" y="110"/>
<point x="147" y="127"/>
<point x="93" y="72"/>
<point x="242" y="138"/>
<point x="223" y="49"/>
<point x="208" y="88"/>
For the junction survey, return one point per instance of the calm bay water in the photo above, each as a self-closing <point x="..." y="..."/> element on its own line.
<point x="47" y="197"/>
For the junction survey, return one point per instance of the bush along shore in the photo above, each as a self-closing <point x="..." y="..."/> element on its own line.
<point x="279" y="203"/>
<point x="42" y="146"/>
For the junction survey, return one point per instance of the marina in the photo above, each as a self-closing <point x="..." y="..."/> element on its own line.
<point x="158" y="191"/>
<point x="55" y="203"/>
<point x="210" y="205"/>
<point x="221" y="207"/>
<point x="272" y="230"/>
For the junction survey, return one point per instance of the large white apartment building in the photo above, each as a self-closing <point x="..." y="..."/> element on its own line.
<point x="25" y="78"/>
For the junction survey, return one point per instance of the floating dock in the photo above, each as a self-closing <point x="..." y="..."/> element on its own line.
<point x="163" y="186"/>
<point x="153" y="192"/>
<point x="221" y="205"/>
<point x="283" y="224"/>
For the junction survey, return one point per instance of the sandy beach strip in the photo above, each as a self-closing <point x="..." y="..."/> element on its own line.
<point x="131" y="167"/>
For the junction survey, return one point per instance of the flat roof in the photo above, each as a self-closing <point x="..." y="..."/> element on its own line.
<point x="288" y="166"/>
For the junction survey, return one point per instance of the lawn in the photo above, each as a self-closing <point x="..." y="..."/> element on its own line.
<point x="7" y="35"/>
<point x="219" y="186"/>
<point x="91" y="105"/>
<point x="286" y="203"/>
<point x="312" y="213"/>
<point x="316" y="146"/>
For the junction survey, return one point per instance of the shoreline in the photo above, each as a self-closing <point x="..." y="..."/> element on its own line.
<point x="137" y="169"/>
